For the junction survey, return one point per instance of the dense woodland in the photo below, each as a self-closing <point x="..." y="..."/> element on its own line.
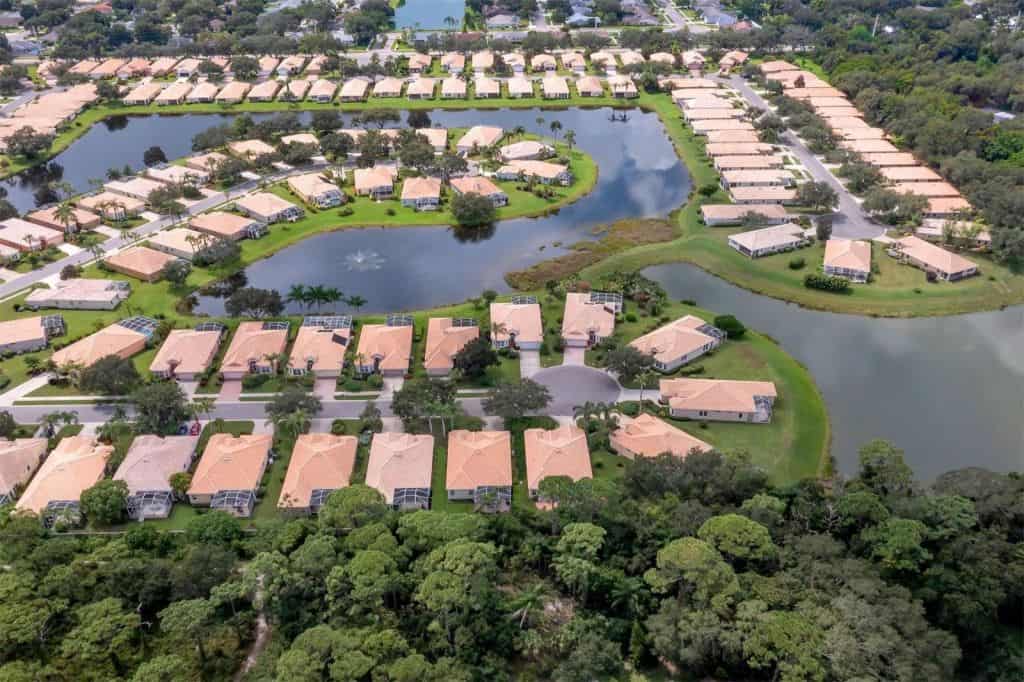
<point x="694" y="565"/>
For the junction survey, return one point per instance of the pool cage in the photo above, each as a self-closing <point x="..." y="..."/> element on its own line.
<point x="235" y="502"/>
<point x="411" y="498"/>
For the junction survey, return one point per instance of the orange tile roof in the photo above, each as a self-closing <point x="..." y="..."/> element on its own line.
<point x="187" y="350"/>
<point x="319" y="461"/>
<point x="324" y="349"/>
<point x="849" y="254"/>
<point x="556" y="452"/>
<point x="476" y="184"/>
<point x="112" y="340"/>
<point x="152" y="460"/>
<point x="581" y="318"/>
<point x="22" y="330"/>
<point x="19" y="459"/>
<point x="674" y="340"/>
<point x="421" y="188"/>
<point x="231" y="463"/>
<point x="444" y="341"/>
<point x="140" y="261"/>
<point x="392" y="345"/>
<point x="76" y="464"/>
<point x="934" y="256"/>
<point x="521" y="319"/>
<point x="649" y="436"/>
<point x="481" y="136"/>
<point x="717" y="395"/>
<point x="222" y="224"/>
<point x="399" y="460"/>
<point x="252" y="342"/>
<point x="478" y="458"/>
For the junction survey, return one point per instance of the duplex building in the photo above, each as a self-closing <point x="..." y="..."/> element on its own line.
<point x="926" y="256"/>
<point x="715" y="215"/>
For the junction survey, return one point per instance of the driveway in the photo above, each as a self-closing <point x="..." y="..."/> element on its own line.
<point x="571" y="386"/>
<point x="529" y="363"/>
<point x="231" y="390"/>
<point x="324" y="388"/>
<point x="576" y="357"/>
<point x="850" y="221"/>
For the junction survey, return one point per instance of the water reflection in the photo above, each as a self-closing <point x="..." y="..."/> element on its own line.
<point x="948" y="390"/>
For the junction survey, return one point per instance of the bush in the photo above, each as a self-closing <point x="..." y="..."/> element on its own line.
<point x="346" y="211"/>
<point x="797" y="264"/>
<point x="338" y="427"/>
<point x="630" y="409"/>
<point x="251" y="381"/>
<point x="390" y="211"/>
<point x="931" y="277"/>
<point x="730" y="325"/>
<point x="836" y="285"/>
<point x="375" y="381"/>
<point x="630" y="317"/>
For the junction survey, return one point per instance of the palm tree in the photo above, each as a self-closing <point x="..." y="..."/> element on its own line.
<point x="570" y="138"/>
<point x="356" y="302"/>
<point x="202" y="406"/>
<point x="333" y="295"/>
<point x="318" y="295"/>
<point x="292" y="424"/>
<point x="298" y="293"/>
<point x="556" y="127"/>
<point x="518" y="132"/>
<point x="644" y="378"/>
<point x="584" y="411"/>
<point x="450" y="22"/>
<point x="530" y="599"/>
<point x="50" y="420"/>
<point x="66" y="216"/>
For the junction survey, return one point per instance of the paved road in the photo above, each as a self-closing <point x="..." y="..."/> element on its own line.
<point x="851" y="221"/>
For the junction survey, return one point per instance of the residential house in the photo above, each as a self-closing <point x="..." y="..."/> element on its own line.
<point x="140" y="262"/>
<point x="479" y="468"/>
<point x="74" y="466"/>
<point x="207" y="162"/>
<point x="144" y="93"/>
<point x="255" y="349"/>
<point x="544" y="63"/>
<point x="147" y="469"/>
<point x="437" y="137"/>
<point x="228" y="475"/>
<point x="295" y="90"/>
<point x="446" y="336"/>
<point x="187" y="67"/>
<point x="925" y="256"/>
<point x="388" y="87"/>
<point x="848" y="258"/>
<point x="137" y="188"/>
<point x="320" y="350"/>
<point x="25" y="236"/>
<point x="80" y="219"/>
<point x="315" y="191"/>
<point x="268" y="208"/>
<point x="525" y="150"/>
<point x="478" y="184"/>
<point x="515" y="61"/>
<point x="588" y="319"/>
<point x="517" y="324"/>
<point x="250" y="150"/>
<point x="453" y="62"/>
<point x="187" y="353"/>
<point x="763" y="195"/>
<point x="681" y="341"/>
<point x="224" y="225"/>
<point x="400" y="468"/>
<point x="264" y="92"/>
<point x="555" y="87"/>
<point x="479" y="137"/>
<point x="519" y="87"/>
<point x="320" y="464"/>
<point x="385" y="348"/>
<point x="452" y="88"/>
<point x="483" y="61"/>
<point x="322" y="90"/>
<point x="418" y="63"/>
<point x="719" y="399"/>
<point x="180" y="242"/>
<point x="756" y="178"/>
<point x="751" y="162"/>
<point x="589" y="86"/>
<point x="290" y="65"/>
<point x="178" y="175"/>
<point x="19" y="459"/>
<point x="544" y="172"/>
<point x="79" y="294"/>
<point x="622" y="87"/>
<point x="648" y="436"/>
<point x="768" y="240"/>
<point x="202" y="93"/>
<point x="555" y="452"/>
<point x="301" y="138"/>
<point x="232" y="93"/>
<point x="119" y="339"/>
<point x="421" y="88"/>
<point x="715" y="215"/>
<point x="666" y="58"/>
<point x="422" y="194"/>
<point x="486" y="88"/>
<point x="377" y="182"/>
<point x="27" y="334"/>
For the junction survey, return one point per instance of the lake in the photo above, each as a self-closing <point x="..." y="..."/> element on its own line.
<point x="429" y="14"/>
<point x="948" y="390"/>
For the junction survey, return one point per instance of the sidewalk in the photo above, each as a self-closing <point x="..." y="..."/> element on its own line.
<point x="23" y="389"/>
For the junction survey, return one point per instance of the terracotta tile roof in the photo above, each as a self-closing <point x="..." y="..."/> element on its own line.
<point x="140" y="261"/>
<point x="517" y="85"/>
<point x="252" y="342"/>
<point x="399" y="460"/>
<point x="926" y="189"/>
<point x="263" y="203"/>
<point x="587" y="85"/>
<point x="151" y="460"/>
<point x="674" y="340"/>
<point x="205" y="91"/>
<point x="222" y="224"/>
<point x="554" y="86"/>
<point x="323" y="348"/>
<point x="392" y="345"/>
<point x="649" y="436"/>
<point x="477" y="459"/>
<point x="233" y="92"/>
<point x="388" y="87"/>
<point x="301" y="138"/>
<point x="76" y="464"/>
<point x="368" y="179"/>
<point x="187" y="350"/>
<point x="849" y="254"/>
<point x="486" y="86"/>
<point x="422" y="87"/>
<point x="556" y="452"/>
<point x="444" y="341"/>
<point x="476" y="184"/>
<point x="716" y="395"/>
<point x="934" y="256"/>
<point x="19" y="459"/>
<point x="20" y="331"/>
<point x="250" y="148"/>
<point x="437" y="137"/>
<point x="910" y="174"/>
<point x="319" y="461"/>
<point x="231" y="463"/>
<point x="421" y="188"/>
<point x="322" y="88"/>
<point x="420" y="61"/>
<point x="521" y="319"/>
<point x="450" y="87"/>
<point x="112" y="340"/>
<point x="481" y="136"/>
<point x="581" y="318"/>
<point x="265" y="90"/>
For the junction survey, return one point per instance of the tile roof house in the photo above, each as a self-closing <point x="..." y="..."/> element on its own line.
<point x="268" y="208"/>
<point x="178" y="175"/>
<point x="388" y="87"/>
<point x="422" y="194"/>
<point x="74" y="466"/>
<point x="228" y="474"/>
<point x="479" y="137"/>
<point x="622" y="87"/>
<point x="320" y="464"/>
<point x="224" y="225"/>
<point x="946" y="207"/>
<point x="205" y="163"/>
<point x="648" y="436"/>
<point x="202" y="93"/>
<point x="25" y="236"/>
<point x="181" y="242"/>
<point x="421" y="88"/>
<point x="140" y="262"/>
<point x="554" y="87"/>
<point x="732" y="214"/>
<point x="484" y="87"/>
<point x="586" y="321"/>
<point x="352" y="90"/>
<point x="445" y="338"/>
<point x="768" y="240"/>
<point x="322" y="90"/>
<point x="23" y="335"/>
<point x="848" y="258"/>
<point x="516" y="325"/>
<point x="679" y="342"/>
<point x="910" y="174"/>
<point x="254" y="349"/>
<point x="264" y="92"/>
<point x="544" y="172"/>
<point x="19" y="459"/>
<point x="926" y="189"/>
<point x="400" y="467"/>
<point x="451" y="88"/>
<point x="144" y="93"/>
<point x="137" y="188"/>
<point x="80" y="294"/>
<point x="385" y="349"/>
<point x="519" y="87"/>
<point x="376" y="182"/>
<point x="315" y="191"/>
<point x="555" y="452"/>
<point x="763" y="195"/>
<point x="295" y="90"/>
<point x="525" y="150"/>
<point x="719" y="399"/>
<point x="319" y="350"/>
<point x="483" y="60"/>
<point x="147" y="469"/>
<point x="589" y="86"/>
<point x="186" y="353"/>
<point x="453" y="62"/>
<point x="437" y="137"/>
<point x="112" y="340"/>
<point x="544" y="62"/>
<point x="479" y="468"/>
<point x="250" y="149"/>
<point x="232" y="93"/>
<point x="573" y="61"/>
<point x="931" y="258"/>
<point x="419" y="62"/>
<point x="756" y="178"/>
<point x="478" y="184"/>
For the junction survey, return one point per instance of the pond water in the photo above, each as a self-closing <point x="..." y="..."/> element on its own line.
<point x="948" y="390"/>
<point x="419" y="267"/>
<point x="429" y="14"/>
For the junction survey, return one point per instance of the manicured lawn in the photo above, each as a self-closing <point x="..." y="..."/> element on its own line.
<point x="608" y="466"/>
<point x="438" y="490"/>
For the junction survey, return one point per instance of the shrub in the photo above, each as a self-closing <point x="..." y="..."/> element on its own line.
<point x="930" y="276"/>
<point x="251" y="381"/>
<point x="797" y="264"/>
<point x="346" y="211"/>
<point x="689" y="301"/>
<point x="730" y="325"/>
<point x="390" y="211"/>
<point x="837" y="285"/>
<point x="630" y="317"/>
<point x="375" y="381"/>
<point x="630" y="409"/>
<point x="338" y="427"/>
